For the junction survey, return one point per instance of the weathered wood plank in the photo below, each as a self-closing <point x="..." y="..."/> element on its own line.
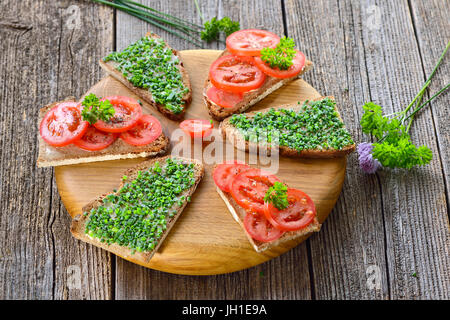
<point x="286" y="277"/>
<point x="432" y="27"/>
<point x="396" y="220"/>
<point x="48" y="54"/>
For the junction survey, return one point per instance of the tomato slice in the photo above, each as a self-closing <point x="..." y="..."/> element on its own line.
<point x="236" y="74"/>
<point x="197" y="128"/>
<point x="249" y="188"/>
<point x="249" y="42"/>
<point x="225" y="99"/>
<point x="63" y="124"/>
<point x="260" y="228"/>
<point x="128" y="112"/>
<point x="94" y="140"/>
<point x="224" y="174"/>
<point x="147" y="130"/>
<point x="299" y="214"/>
<point x="297" y="66"/>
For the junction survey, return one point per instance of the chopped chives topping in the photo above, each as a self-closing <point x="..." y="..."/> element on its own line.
<point x="315" y="126"/>
<point x="150" y="64"/>
<point x="137" y="215"/>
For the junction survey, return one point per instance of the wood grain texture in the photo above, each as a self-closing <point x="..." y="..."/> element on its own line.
<point x="44" y="56"/>
<point x="206" y="240"/>
<point x="395" y="220"/>
<point x="254" y="13"/>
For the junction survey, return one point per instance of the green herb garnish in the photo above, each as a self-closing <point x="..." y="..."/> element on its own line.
<point x="281" y="56"/>
<point x="189" y="31"/>
<point x="277" y="195"/>
<point x="394" y="148"/>
<point x="213" y="27"/>
<point x="94" y="109"/>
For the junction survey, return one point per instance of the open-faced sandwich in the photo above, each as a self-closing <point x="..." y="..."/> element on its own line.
<point x="153" y="71"/>
<point x="97" y="130"/>
<point x="269" y="212"/>
<point x="133" y="221"/>
<point x="255" y="63"/>
<point x="312" y="129"/>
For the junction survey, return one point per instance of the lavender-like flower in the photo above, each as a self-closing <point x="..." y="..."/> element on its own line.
<point x="366" y="161"/>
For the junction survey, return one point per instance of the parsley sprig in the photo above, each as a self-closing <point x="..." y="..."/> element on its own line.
<point x="394" y="148"/>
<point x="277" y="195"/>
<point x="94" y="109"/>
<point x="281" y="56"/>
<point x="214" y="27"/>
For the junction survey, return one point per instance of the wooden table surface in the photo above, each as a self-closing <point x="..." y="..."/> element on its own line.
<point x="392" y="226"/>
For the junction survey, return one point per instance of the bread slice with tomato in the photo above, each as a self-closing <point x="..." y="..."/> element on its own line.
<point x="253" y="215"/>
<point x="154" y="227"/>
<point x="239" y="78"/>
<point x="250" y="98"/>
<point x="239" y="139"/>
<point x="69" y="152"/>
<point x="112" y="68"/>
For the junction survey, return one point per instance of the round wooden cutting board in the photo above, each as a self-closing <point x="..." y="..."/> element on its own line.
<point x="206" y="239"/>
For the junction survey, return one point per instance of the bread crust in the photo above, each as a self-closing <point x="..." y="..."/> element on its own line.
<point x="235" y="137"/>
<point x="250" y="98"/>
<point x="50" y="156"/>
<point x="145" y="94"/>
<point x="239" y="214"/>
<point x="79" y="221"/>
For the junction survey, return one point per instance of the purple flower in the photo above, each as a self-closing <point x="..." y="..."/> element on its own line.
<point x="366" y="161"/>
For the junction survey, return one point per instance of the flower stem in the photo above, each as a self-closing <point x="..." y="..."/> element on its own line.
<point x="423" y="105"/>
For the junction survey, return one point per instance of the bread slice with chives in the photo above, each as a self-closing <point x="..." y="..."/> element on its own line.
<point x="324" y="149"/>
<point x="111" y="67"/>
<point x="136" y="176"/>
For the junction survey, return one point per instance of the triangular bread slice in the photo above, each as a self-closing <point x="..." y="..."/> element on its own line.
<point x="235" y="137"/>
<point x="239" y="213"/>
<point x="250" y="98"/>
<point x="50" y="156"/>
<point x="79" y="222"/>
<point x="145" y="94"/>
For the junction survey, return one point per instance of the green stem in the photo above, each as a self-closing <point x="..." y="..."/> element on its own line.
<point x="182" y="28"/>
<point x="423" y="105"/>
<point x="199" y="11"/>
<point x="162" y="13"/>
<point x="138" y="14"/>
<point x="427" y="83"/>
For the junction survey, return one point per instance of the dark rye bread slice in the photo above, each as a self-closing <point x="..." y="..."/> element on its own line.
<point x="239" y="213"/>
<point x="79" y="222"/>
<point x="250" y="98"/>
<point x="50" y="156"/>
<point x="145" y="94"/>
<point x="237" y="139"/>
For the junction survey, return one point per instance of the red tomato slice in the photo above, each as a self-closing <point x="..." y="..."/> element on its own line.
<point x="298" y="64"/>
<point x="94" y="140"/>
<point x="63" y="124"/>
<point x="147" y="130"/>
<point x="224" y="174"/>
<point x="249" y="188"/>
<point x="128" y="112"/>
<point x="260" y="228"/>
<point x="197" y="128"/>
<point x="236" y="74"/>
<point x="249" y="42"/>
<point x="225" y="99"/>
<point x="299" y="214"/>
